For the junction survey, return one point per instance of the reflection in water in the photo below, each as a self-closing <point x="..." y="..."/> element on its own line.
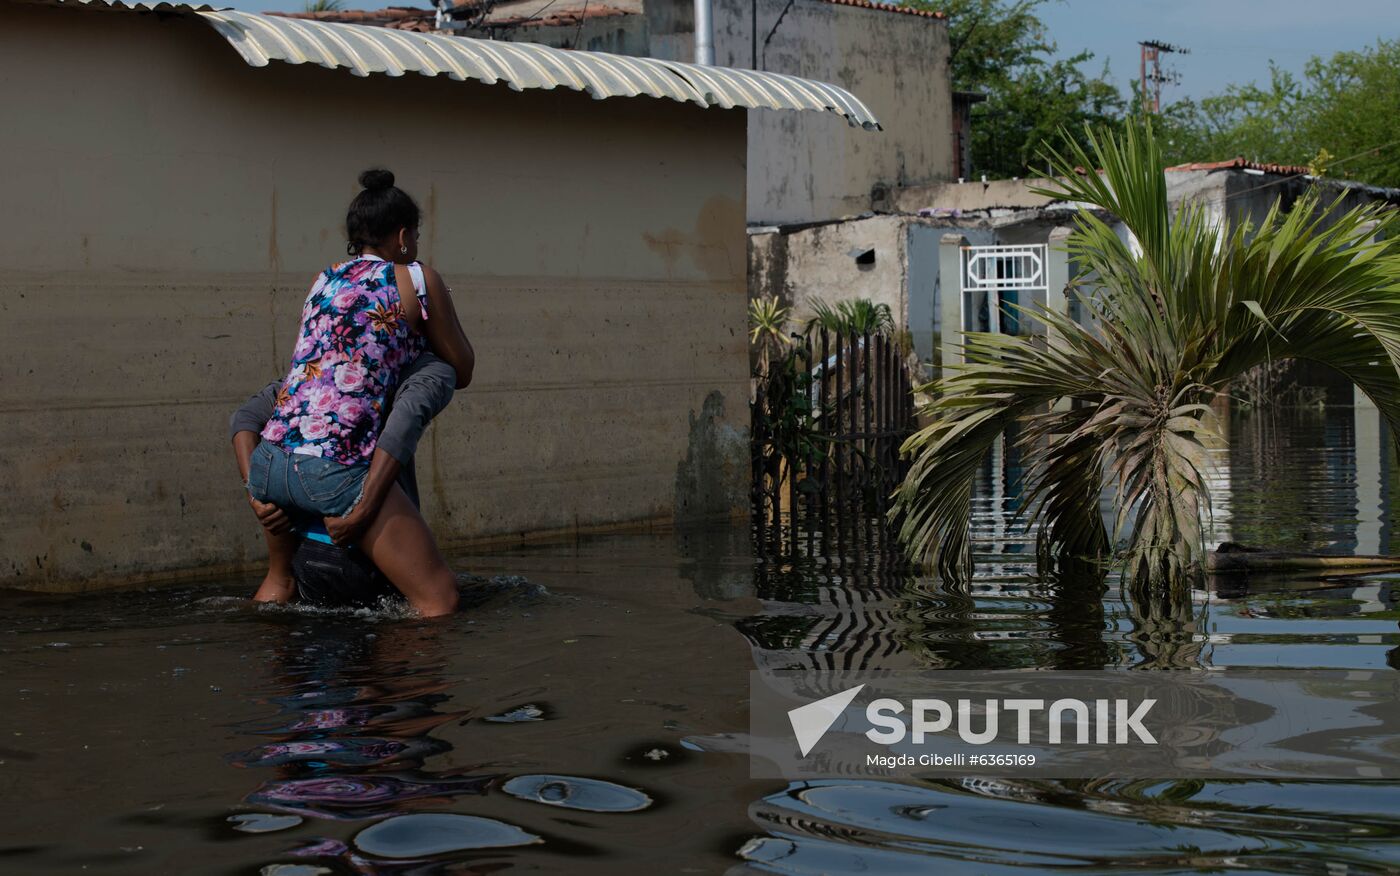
<point x="356" y="707"/>
<point x="138" y="723"/>
<point x="988" y="826"/>
<point x="427" y="834"/>
<point x="355" y="710"/>
<point x="571" y="792"/>
<point x="1291" y="481"/>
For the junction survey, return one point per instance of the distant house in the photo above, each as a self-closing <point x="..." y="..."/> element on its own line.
<point x="182" y="173"/>
<point x="949" y="252"/>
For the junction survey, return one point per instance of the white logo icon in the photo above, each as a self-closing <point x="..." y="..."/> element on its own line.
<point x="810" y="722"/>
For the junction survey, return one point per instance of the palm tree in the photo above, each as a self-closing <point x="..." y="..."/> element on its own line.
<point x="855" y="316"/>
<point x="323" y="6"/>
<point x="1127" y="406"/>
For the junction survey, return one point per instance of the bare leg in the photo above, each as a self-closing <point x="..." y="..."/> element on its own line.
<point x="279" y="585"/>
<point x="400" y="543"/>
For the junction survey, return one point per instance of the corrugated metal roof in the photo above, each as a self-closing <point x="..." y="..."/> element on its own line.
<point x="365" y="50"/>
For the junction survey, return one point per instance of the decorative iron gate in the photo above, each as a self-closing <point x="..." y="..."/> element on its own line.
<point x="826" y="439"/>
<point x="995" y="276"/>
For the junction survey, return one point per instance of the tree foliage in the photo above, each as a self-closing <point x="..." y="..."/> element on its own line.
<point x="1342" y="117"/>
<point x="1001" y="49"/>
<point x="1126" y="407"/>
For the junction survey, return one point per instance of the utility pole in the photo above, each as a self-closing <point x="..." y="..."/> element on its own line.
<point x="1151" y="80"/>
<point x="704" y="33"/>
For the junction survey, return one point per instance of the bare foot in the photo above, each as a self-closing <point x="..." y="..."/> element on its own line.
<point x="276" y="588"/>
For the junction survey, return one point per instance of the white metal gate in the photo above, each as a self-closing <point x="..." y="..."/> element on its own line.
<point x="994" y="276"/>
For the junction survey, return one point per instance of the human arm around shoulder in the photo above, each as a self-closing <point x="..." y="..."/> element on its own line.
<point x="444" y="329"/>
<point x="439" y="322"/>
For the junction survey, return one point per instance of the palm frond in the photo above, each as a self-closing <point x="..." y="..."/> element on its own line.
<point x="1182" y="308"/>
<point x="855" y="316"/>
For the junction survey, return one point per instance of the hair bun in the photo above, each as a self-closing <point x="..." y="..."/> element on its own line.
<point x="377" y="178"/>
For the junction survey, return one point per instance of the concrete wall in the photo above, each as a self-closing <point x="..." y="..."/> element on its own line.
<point x="802" y="166"/>
<point x="806" y="167"/>
<point x="618" y="35"/>
<point x="815" y="263"/>
<point x="952" y="198"/>
<point x="1246" y="196"/>
<point x="913" y="268"/>
<point x="166" y="208"/>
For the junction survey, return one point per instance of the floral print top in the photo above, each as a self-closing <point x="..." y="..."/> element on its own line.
<point x="353" y="343"/>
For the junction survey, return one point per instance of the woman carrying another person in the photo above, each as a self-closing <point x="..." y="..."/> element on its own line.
<point x="329" y="574"/>
<point x="364" y="321"/>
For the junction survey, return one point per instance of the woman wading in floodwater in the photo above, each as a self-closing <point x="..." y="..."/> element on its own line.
<point x="363" y="322"/>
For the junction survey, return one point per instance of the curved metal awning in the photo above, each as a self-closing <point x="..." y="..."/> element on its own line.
<point x="366" y="50"/>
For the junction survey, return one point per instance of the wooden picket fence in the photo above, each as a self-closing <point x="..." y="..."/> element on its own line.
<point x="826" y="445"/>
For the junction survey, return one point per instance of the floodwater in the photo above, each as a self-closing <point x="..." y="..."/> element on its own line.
<point x="580" y="714"/>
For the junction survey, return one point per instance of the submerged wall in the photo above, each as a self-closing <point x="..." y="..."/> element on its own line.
<point x="166" y="208"/>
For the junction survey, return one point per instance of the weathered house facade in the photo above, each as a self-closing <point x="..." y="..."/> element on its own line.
<point x="185" y="175"/>
<point x="800" y="168"/>
<point x="946" y="253"/>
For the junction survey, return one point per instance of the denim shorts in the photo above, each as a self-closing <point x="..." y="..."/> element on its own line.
<point x="297" y="482"/>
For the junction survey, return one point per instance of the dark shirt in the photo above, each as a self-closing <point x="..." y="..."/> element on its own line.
<point x="425" y="387"/>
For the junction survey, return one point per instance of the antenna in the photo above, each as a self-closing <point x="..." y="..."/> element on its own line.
<point x="1152" y="52"/>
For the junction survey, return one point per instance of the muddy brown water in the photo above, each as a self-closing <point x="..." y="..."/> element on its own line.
<point x="578" y="715"/>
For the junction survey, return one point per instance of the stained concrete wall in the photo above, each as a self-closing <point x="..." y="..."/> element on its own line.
<point x="1244" y="196"/>
<point x="816" y="263"/>
<point x="618" y="35"/>
<point x="166" y="208"/>
<point x="802" y="166"/>
<point x="802" y="264"/>
<point x="807" y="167"/>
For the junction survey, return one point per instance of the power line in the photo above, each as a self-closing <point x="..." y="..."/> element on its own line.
<point x="581" y="16"/>
<point x="769" y="38"/>
<point x="537" y="13"/>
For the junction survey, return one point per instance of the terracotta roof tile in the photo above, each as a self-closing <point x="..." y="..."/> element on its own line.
<point x="564" y="18"/>
<point x="889" y="7"/>
<point x="420" y="19"/>
<point x="1244" y="164"/>
<point x="409" y="18"/>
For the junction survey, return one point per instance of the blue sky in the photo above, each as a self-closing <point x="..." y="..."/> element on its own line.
<point x="1230" y="40"/>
